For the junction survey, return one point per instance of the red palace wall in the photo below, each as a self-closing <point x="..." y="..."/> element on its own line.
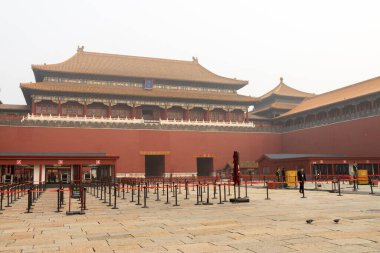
<point x="182" y="145"/>
<point x="354" y="138"/>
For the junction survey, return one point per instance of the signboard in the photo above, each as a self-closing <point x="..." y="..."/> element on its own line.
<point x="97" y="162"/>
<point x="75" y="192"/>
<point x="60" y="162"/>
<point x="148" y="84"/>
<point x="18" y="162"/>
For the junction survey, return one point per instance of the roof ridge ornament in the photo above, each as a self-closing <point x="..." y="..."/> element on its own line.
<point x="281" y="80"/>
<point x="195" y="59"/>
<point x="80" y="49"/>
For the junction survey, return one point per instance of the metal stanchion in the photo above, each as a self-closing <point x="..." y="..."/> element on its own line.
<point x="8" y="200"/>
<point x="1" y="199"/>
<point x="123" y="191"/>
<point x="132" y="193"/>
<point x="197" y="195"/>
<point x="224" y="195"/>
<point x="208" y="196"/>
<point x="176" y="196"/>
<point x="267" y="198"/>
<point x="186" y="189"/>
<point x="138" y="195"/>
<point x="167" y="194"/>
<point x="85" y="198"/>
<point x="58" y="201"/>
<point x="158" y="192"/>
<point x="114" y="192"/>
<point x="29" y="201"/>
<point x="246" y="189"/>
<point x="339" y="188"/>
<point x="110" y="194"/>
<point x="145" y="196"/>
<point x="214" y="190"/>
<point x="220" y="195"/>
<point x="371" y="185"/>
<point x="105" y="193"/>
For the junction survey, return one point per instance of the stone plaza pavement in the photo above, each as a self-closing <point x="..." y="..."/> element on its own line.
<point x="276" y="225"/>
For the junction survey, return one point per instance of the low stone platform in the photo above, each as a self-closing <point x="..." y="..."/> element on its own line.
<point x="276" y="225"/>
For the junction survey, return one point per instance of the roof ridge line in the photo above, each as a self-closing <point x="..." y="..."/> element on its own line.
<point x="135" y="56"/>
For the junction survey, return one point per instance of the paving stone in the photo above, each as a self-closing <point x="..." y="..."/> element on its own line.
<point x="277" y="225"/>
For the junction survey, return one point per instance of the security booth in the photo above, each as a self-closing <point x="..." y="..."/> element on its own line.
<point x="55" y="169"/>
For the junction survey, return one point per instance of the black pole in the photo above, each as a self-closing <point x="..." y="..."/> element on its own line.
<point x="197" y="195"/>
<point x="267" y="198"/>
<point x="1" y="199"/>
<point x="214" y="190"/>
<point x="224" y="190"/>
<point x="8" y="203"/>
<point x="158" y="192"/>
<point x="58" y="200"/>
<point x="234" y="190"/>
<point x="186" y="189"/>
<point x="138" y="195"/>
<point x="85" y="198"/>
<point x="110" y="194"/>
<point x="339" y="187"/>
<point x="132" y="193"/>
<point x="145" y="195"/>
<point x="167" y="194"/>
<point x="114" y="200"/>
<point x="176" y="194"/>
<point x="246" y="189"/>
<point x="29" y="200"/>
<point x="371" y="185"/>
<point x="220" y="195"/>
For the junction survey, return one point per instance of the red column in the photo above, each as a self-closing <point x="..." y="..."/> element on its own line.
<point x="166" y="113"/>
<point x="227" y="116"/>
<point x="133" y="111"/>
<point x="33" y="107"/>
<point x="59" y="107"/>
<point x="207" y="115"/>
<point x="109" y="113"/>
<point x="85" y="108"/>
<point x="187" y="114"/>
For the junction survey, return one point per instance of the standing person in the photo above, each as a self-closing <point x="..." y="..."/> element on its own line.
<point x="301" y="179"/>
<point x="283" y="175"/>
<point x="278" y="175"/>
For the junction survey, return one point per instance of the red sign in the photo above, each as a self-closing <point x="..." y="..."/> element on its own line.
<point x="60" y="162"/>
<point x="344" y="161"/>
<point x="97" y="162"/>
<point x="314" y="162"/>
<point x="18" y="161"/>
<point x="321" y="161"/>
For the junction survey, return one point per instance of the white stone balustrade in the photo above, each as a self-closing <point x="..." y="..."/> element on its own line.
<point x="50" y="118"/>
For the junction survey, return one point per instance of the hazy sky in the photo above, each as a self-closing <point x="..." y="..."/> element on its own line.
<point x="316" y="46"/>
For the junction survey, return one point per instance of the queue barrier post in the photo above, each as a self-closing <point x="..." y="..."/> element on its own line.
<point x="220" y="195"/>
<point x="339" y="188"/>
<point x="267" y="188"/>
<point x="176" y="195"/>
<point x="114" y="191"/>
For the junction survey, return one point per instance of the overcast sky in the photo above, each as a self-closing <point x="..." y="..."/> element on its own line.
<point x="316" y="46"/>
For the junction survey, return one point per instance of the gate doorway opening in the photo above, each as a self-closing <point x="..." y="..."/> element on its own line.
<point x="205" y="166"/>
<point x="154" y="165"/>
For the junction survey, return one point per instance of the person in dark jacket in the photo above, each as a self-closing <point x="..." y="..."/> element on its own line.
<point x="301" y="179"/>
